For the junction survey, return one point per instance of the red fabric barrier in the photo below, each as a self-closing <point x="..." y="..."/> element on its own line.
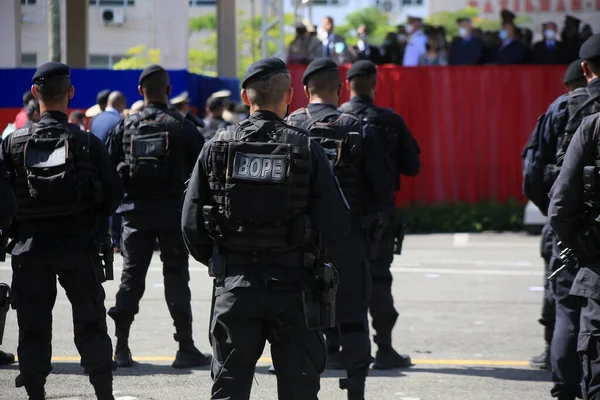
<point x="471" y="124"/>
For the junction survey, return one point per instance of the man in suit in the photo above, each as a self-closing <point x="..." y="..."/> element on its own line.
<point x="334" y="46"/>
<point x="466" y="49"/>
<point x="549" y="50"/>
<point x="364" y="49"/>
<point x="110" y="117"/>
<point x="511" y="51"/>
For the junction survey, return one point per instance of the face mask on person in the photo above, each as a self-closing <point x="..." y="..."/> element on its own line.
<point x="550" y="34"/>
<point x="409" y="28"/>
<point x="503" y="34"/>
<point x="387" y="42"/>
<point x="463" y="32"/>
<point x="402" y="38"/>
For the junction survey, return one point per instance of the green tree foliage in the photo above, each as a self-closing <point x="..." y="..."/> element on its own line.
<point x="138" y="57"/>
<point x="377" y="23"/>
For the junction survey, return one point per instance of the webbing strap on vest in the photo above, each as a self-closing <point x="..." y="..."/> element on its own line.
<point x="586" y="103"/>
<point x="317" y="117"/>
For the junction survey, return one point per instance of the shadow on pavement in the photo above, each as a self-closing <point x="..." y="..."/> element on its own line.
<point x="342" y="374"/>
<point x="141" y="369"/>
<point x="509" y="374"/>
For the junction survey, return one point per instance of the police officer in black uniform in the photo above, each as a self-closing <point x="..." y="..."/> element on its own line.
<point x="403" y="155"/>
<point x="573" y="214"/>
<point x="7" y="212"/>
<point x="560" y="311"/>
<point x="355" y="153"/>
<point x="64" y="182"/>
<point x="155" y="151"/>
<point x="259" y="194"/>
<point x="214" y="119"/>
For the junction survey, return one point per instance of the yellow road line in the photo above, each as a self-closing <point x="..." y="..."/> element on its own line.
<point x="424" y="361"/>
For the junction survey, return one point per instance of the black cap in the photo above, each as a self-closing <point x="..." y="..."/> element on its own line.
<point x="263" y="69"/>
<point x="102" y="96"/>
<point x="215" y="103"/>
<point x="571" y="20"/>
<point x="362" y="68"/>
<point x="322" y="64"/>
<point x="151" y="70"/>
<point x="49" y="71"/>
<point x="590" y="48"/>
<point x="573" y="72"/>
<point x="460" y="20"/>
<point x="507" y="16"/>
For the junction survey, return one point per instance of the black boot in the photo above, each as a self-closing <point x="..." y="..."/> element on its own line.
<point x="103" y="385"/>
<point x="355" y="384"/>
<point x="388" y="358"/>
<point x="6" y="358"/>
<point x="542" y="361"/>
<point x="122" y="351"/>
<point x="188" y="355"/>
<point x="36" y="393"/>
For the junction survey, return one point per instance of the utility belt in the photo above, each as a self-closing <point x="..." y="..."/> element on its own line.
<point x="292" y="259"/>
<point x="318" y="302"/>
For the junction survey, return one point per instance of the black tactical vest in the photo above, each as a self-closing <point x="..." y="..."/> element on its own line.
<point x="340" y="135"/>
<point x="579" y="105"/>
<point x="259" y="176"/>
<point x="153" y="148"/>
<point x="53" y="173"/>
<point x="382" y="126"/>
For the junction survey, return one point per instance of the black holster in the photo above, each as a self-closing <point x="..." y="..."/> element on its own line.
<point x="375" y="227"/>
<point x="400" y="233"/>
<point x="4" y="306"/>
<point x="105" y="249"/>
<point x="319" y="304"/>
<point x="3" y="245"/>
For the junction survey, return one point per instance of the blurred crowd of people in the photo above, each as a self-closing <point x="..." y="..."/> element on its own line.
<point x="111" y="108"/>
<point x="416" y="44"/>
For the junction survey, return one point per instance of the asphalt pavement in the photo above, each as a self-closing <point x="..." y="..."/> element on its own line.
<point x="468" y="304"/>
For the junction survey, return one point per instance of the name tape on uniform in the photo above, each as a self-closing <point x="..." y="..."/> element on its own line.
<point x="259" y="167"/>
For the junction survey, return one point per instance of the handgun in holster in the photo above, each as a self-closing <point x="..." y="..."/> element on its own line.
<point x="4" y="306"/>
<point x="376" y="226"/>
<point x="400" y="233"/>
<point x="217" y="265"/>
<point x="330" y="281"/>
<point x="568" y="258"/>
<point x="106" y="251"/>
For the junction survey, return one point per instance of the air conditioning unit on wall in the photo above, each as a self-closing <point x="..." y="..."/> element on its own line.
<point x="113" y="15"/>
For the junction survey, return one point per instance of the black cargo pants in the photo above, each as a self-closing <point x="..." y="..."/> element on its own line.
<point x="137" y="247"/>
<point x="34" y="288"/>
<point x="547" y="252"/>
<point x="566" y="366"/>
<point x="243" y="319"/>
<point x="381" y="304"/>
<point x="348" y="255"/>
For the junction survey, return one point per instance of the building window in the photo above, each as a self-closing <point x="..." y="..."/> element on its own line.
<point x="118" y="3"/>
<point x="196" y="3"/>
<point x="412" y="2"/>
<point x="28" y="2"/>
<point x="104" y="61"/>
<point x="28" y="60"/>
